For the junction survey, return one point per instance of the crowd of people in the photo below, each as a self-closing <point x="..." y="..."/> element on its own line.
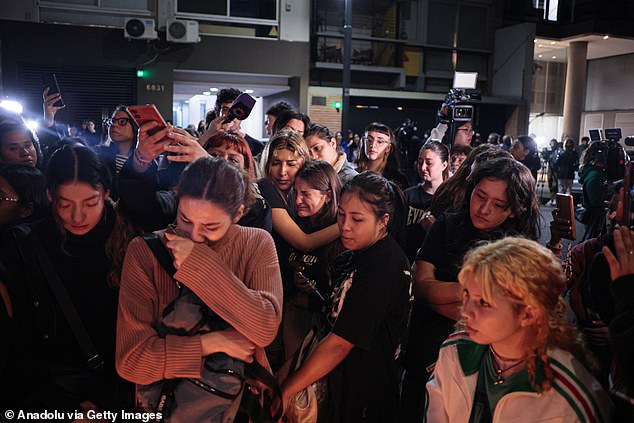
<point x="152" y="271"/>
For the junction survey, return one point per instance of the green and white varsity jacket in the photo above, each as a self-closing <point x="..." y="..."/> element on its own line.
<point x="576" y="396"/>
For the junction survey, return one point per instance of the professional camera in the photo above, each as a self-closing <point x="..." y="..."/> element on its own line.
<point x="606" y="151"/>
<point x="461" y="105"/>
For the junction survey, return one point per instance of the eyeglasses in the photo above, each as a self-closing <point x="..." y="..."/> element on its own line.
<point x="372" y="141"/>
<point x="468" y="130"/>
<point x="117" y="121"/>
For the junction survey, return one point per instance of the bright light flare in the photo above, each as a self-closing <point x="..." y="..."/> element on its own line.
<point x="12" y="106"/>
<point x="32" y="124"/>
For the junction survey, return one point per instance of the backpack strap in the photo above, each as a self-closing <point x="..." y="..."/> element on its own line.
<point x="160" y="252"/>
<point x="27" y="241"/>
<point x="265" y="383"/>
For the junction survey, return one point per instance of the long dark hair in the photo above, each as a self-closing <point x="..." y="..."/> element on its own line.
<point x="391" y="163"/>
<point x="215" y="180"/>
<point x="441" y="150"/>
<point x="384" y="197"/>
<point x="10" y="126"/>
<point x="450" y="194"/>
<point x="520" y="192"/>
<point x="76" y="163"/>
<point x="321" y="176"/>
<point x="29" y="183"/>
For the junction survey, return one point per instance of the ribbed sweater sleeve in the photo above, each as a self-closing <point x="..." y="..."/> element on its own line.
<point x="246" y="274"/>
<point x="142" y="356"/>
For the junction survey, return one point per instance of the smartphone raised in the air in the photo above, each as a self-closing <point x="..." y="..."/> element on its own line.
<point x="50" y="81"/>
<point x="566" y="210"/>
<point x="147" y="113"/>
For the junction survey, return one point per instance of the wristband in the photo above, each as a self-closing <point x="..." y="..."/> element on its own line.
<point x="140" y="161"/>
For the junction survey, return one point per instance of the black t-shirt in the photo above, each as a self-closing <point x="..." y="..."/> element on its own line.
<point x="370" y="309"/>
<point x="418" y="201"/>
<point x="448" y="240"/>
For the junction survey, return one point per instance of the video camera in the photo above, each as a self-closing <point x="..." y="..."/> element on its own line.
<point x="607" y="151"/>
<point x="460" y="102"/>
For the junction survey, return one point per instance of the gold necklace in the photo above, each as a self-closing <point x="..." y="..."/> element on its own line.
<point x="499" y="379"/>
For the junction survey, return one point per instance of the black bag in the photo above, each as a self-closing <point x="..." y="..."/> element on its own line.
<point x="223" y="391"/>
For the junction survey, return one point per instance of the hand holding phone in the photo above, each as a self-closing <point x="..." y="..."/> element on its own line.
<point x="566" y="211"/>
<point x="147" y="113"/>
<point x="50" y="82"/>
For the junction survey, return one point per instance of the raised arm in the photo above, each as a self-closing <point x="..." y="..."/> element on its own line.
<point x="284" y="225"/>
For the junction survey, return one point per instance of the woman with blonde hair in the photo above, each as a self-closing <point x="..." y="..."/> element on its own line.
<point x="516" y="352"/>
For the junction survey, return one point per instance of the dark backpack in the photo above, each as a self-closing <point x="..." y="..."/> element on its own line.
<point x="225" y="390"/>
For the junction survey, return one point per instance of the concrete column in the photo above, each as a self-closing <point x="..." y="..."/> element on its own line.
<point x="576" y="76"/>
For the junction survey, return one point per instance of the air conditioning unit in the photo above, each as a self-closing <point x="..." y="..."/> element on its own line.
<point x="140" y="29"/>
<point x="179" y="31"/>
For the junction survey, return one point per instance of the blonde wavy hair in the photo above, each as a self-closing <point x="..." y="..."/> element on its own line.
<point x="527" y="274"/>
<point x="284" y="140"/>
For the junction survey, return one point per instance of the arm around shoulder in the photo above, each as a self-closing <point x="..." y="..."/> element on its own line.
<point x="284" y="225"/>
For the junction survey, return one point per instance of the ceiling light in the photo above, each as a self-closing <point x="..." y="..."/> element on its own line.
<point x="187" y="101"/>
<point x="249" y="91"/>
<point x="535" y="40"/>
<point x="206" y="93"/>
<point x="554" y="57"/>
<point x="214" y="89"/>
<point x="540" y="56"/>
<point x="605" y="37"/>
<point x="540" y="45"/>
<point x="552" y="43"/>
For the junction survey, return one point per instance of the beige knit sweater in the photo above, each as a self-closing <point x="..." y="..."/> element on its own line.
<point x="238" y="278"/>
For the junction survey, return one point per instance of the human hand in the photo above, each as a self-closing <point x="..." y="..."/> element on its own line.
<point x="559" y="228"/>
<point x="427" y="220"/>
<point x="303" y="283"/>
<point x="230" y="342"/>
<point x="186" y="147"/>
<point x="180" y="247"/>
<point x="151" y="145"/>
<point x="623" y="263"/>
<point x="598" y="334"/>
<point x="49" y="108"/>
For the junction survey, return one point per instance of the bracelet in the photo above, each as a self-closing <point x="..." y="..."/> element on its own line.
<point x="139" y="160"/>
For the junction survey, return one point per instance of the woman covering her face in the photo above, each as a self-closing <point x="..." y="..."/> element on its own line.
<point x="232" y="271"/>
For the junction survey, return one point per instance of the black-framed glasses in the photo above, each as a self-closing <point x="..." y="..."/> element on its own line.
<point x="117" y="121"/>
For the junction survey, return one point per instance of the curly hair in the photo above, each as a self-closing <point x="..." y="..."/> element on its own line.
<point x="528" y="275"/>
